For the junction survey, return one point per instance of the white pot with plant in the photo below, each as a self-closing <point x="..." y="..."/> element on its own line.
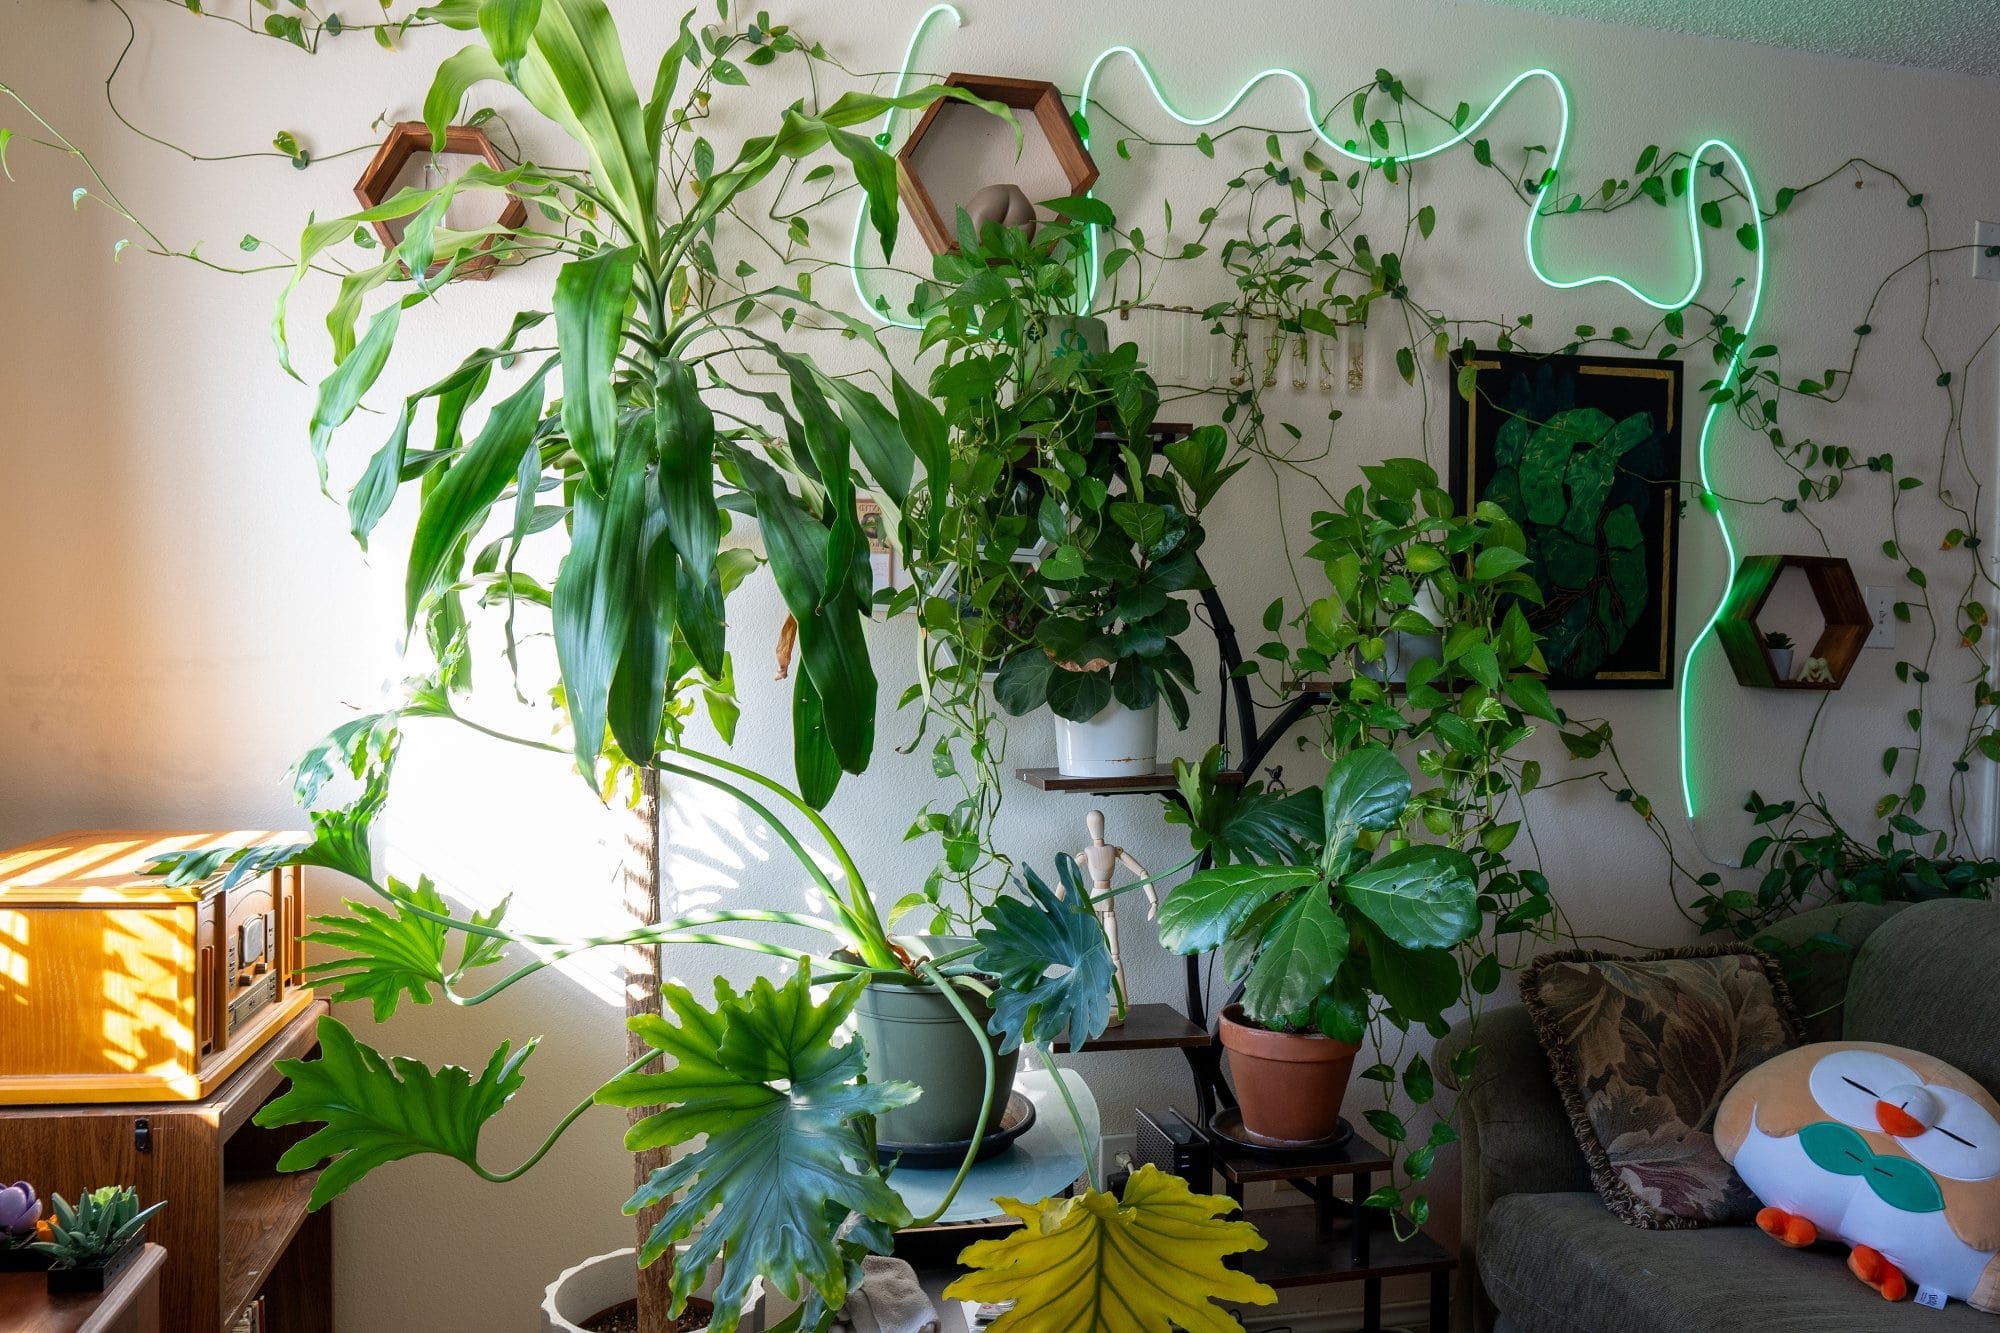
<point x="1779" y="645"/>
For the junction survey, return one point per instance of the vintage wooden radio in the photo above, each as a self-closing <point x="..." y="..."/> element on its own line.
<point x="115" y="986"/>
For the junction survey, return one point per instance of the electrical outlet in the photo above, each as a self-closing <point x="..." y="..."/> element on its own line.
<point x="1881" y="610"/>
<point x="1985" y="264"/>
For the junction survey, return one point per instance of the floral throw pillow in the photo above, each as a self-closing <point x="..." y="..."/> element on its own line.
<point x="1643" y="1050"/>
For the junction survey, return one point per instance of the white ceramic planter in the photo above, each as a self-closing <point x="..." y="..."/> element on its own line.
<point x="1119" y="742"/>
<point x="1781" y="662"/>
<point x="1401" y="651"/>
<point x="595" y="1285"/>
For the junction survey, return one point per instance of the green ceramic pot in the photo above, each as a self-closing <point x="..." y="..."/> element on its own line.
<point x="913" y="1035"/>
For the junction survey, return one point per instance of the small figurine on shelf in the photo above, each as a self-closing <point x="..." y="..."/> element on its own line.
<point x="20" y="1225"/>
<point x="1779" y="645"/>
<point x="1006" y="204"/>
<point x="93" y="1242"/>
<point x="1816" y="672"/>
<point x="1100" y="860"/>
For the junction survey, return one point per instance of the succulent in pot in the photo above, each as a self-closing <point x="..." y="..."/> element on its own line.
<point x="91" y="1242"/>
<point x="1779" y="645"/>
<point x="1315" y="941"/>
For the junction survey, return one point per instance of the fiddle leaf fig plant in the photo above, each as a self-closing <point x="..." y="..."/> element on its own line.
<point x="1310" y="941"/>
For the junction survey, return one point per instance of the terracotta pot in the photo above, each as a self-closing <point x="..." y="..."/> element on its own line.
<point x="1290" y="1085"/>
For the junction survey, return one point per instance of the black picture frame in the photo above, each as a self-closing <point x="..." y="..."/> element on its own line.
<point x="1604" y="626"/>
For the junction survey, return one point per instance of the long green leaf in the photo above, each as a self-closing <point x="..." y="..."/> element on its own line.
<point x="665" y="79"/>
<point x="814" y="763"/>
<point x="592" y="297"/>
<point x="458" y="75"/>
<point x="507" y="25"/>
<point x="340" y="392"/>
<point x="458" y="504"/>
<point x="684" y="443"/>
<point x="639" y="686"/>
<point x="597" y="594"/>
<point x="575" y="74"/>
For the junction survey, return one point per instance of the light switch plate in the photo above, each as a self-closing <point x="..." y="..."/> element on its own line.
<point x="1881" y="610"/>
<point x="1986" y="235"/>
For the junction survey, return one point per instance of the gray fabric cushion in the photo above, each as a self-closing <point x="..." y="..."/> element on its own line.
<point x="1561" y="1263"/>
<point x="1930" y="980"/>
<point x="1818" y="979"/>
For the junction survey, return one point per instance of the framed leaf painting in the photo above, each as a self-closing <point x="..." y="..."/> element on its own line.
<point x="1584" y="452"/>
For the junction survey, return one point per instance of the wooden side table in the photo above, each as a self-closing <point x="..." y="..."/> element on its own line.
<point x="234" y="1226"/>
<point x="132" y="1305"/>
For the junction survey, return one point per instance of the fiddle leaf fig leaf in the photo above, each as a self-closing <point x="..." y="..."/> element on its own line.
<point x="1205" y="911"/>
<point x="1303" y="947"/>
<point x="1145" y="1263"/>
<point x="761" y="1076"/>
<point x="375" y="1109"/>
<point x="1366" y="791"/>
<point x="1024" y="941"/>
<point x="1422" y="897"/>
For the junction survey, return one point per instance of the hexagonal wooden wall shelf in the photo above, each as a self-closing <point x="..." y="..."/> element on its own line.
<point x="936" y="217"/>
<point x="1840" y="606"/>
<point x="410" y="138"/>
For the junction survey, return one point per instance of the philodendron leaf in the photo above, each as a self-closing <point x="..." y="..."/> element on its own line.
<point x="1146" y="1263"/>
<point x="385" y="953"/>
<point x="1303" y="949"/>
<point x="376" y="1109"/>
<point x="1025" y="941"/>
<point x="1366" y="790"/>
<point x="1207" y="909"/>
<point x="1421" y="897"/>
<point x="761" y="1076"/>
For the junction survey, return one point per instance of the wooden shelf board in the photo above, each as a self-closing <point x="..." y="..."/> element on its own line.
<point x="1147" y="1027"/>
<point x="261" y="1212"/>
<point x="1159" y="781"/>
<point x="1241" y="1166"/>
<point x="1296" y="1255"/>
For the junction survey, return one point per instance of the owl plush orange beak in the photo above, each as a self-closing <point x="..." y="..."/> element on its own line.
<point x="1896" y="1121"/>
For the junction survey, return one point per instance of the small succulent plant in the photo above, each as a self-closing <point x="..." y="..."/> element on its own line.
<point x="97" y="1227"/>
<point x="1777" y="639"/>
<point x="19" y="1211"/>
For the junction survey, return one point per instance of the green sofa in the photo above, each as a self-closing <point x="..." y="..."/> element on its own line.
<point x="1543" y="1255"/>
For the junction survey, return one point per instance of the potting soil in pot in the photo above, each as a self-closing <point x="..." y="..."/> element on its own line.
<point x="624" y="1318"/>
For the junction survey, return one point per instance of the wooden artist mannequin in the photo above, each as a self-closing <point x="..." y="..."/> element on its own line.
<point x="1100" y="861"/>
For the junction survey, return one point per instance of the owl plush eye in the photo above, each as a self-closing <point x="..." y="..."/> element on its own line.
<point x="1849" y="1084"/>
<point x="1963" y="1143"/>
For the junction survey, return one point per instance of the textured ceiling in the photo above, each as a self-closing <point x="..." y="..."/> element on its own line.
<point x="1961" y="35"/>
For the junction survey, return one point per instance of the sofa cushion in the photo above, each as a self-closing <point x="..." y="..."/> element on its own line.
<point x="1642" y="1050"/>
<point x="1930" y="980"/>
<point x="1561" y="1263"/>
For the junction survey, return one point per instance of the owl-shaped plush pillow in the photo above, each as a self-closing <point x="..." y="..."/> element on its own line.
<point x="1890" y="1152"/>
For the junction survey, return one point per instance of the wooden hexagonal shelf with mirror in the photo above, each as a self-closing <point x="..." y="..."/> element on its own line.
<point x="1774" y="595"/>
<point x="959" y="153"/>
<point x="405" y="161"/>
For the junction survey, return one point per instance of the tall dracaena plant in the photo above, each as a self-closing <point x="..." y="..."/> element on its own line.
<point x="655" y="441"/>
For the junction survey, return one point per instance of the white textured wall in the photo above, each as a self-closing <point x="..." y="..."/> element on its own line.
<point x="182" y="611"/>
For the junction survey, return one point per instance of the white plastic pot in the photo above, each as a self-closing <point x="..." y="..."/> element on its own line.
<point x="595" y="1285"/>
<point x="1401" y="651"/>
<point x="1119" y="742"/>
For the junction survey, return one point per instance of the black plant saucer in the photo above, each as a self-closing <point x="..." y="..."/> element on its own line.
<point x="1015" y="1121"/>
<point x="1227" y="1124"/>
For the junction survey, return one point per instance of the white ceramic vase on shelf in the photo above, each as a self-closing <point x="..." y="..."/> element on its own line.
<point x="598" y="1284"/>
<point x="1781" y="662"/>
<point x="1119" y="742"/>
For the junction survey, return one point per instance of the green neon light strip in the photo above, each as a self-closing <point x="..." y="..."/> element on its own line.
<point x="1535" y="214"/>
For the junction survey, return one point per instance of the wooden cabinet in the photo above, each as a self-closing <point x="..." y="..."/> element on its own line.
<point x="233" y="1227"/>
